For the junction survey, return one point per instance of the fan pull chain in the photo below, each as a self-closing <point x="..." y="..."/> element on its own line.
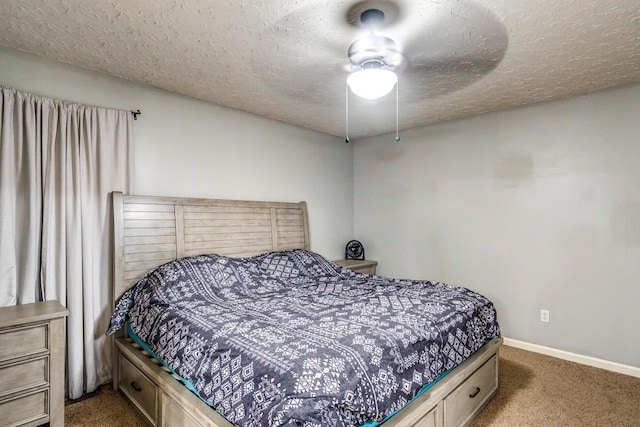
<point x="346" y="109"/>
<point x="397" y="107"/>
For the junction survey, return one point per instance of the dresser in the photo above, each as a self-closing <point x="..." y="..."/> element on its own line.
<point x="359" y="265"/>
<point x="32" y="354"/>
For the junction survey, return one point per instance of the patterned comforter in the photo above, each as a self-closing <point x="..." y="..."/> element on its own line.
<point x="291" y="339"/>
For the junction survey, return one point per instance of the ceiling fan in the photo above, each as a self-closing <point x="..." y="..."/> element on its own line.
<point x="375" y="56"/>
<point x="432" y="47"/>
<point x="427" y="39"/>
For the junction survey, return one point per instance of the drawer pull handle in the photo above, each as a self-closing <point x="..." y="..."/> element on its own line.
<point x="135" y="386"/>
<point x="475" y="392"/>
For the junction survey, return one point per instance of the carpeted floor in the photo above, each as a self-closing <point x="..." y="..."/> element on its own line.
<point x="538" y="390"/>
<point x="535" y="390"/>
<point x="106" y="408"/>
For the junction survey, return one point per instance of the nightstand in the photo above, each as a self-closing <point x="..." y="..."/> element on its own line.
<point x="359" y="265"/>
<point x="32" y="352"/>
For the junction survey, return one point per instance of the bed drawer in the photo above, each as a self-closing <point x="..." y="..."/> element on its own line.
<point x="429" y="420"/>
<point x="461" y="403"/>
<point x="139" y="389"/>
<point x="175" y="415"/>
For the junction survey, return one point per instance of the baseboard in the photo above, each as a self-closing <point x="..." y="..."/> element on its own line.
<point x="573" y="357"/>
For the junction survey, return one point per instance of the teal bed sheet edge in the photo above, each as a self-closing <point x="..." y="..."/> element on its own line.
<point x="422" y="391"/>
<point x="155" y="356"/>
<point x="192" y="388"/>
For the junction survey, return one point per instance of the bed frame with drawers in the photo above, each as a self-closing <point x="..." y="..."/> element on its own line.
<point x="150" y="231"/>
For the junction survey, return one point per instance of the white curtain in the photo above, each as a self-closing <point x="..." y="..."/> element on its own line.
<point x="59" y="161"/>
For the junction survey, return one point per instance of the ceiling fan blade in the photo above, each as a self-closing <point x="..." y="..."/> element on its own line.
<point x="458" y="44"/>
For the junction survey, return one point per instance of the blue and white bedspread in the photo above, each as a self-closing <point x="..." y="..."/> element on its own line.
<point x="291" y="339"/>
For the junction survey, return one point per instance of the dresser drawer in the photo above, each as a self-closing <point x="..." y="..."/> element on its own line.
<point x="24" y="341"/>
<point x="359" y="265"/>
<point x="25" y="409"/>
<point x="139" y="388"/>
<point x="464" y="400"/>
<point x="23" y="375"/>
<point x="366" y="270"/>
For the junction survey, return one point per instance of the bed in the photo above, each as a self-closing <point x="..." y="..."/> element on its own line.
<point x="161" y="231"/>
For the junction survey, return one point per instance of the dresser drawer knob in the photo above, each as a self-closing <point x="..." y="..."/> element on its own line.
<point x="135" y="386"/>
<point x="475" y="392"/>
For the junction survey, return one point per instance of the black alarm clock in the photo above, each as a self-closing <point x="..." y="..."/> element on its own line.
<point x="354" y="250"/>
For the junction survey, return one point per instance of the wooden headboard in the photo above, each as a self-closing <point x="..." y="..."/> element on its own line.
<point x="150" y="231"/>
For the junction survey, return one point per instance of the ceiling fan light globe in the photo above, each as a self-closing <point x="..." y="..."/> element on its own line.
<point x="372" y="83"/>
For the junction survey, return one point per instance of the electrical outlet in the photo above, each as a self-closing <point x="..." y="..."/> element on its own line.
<point x="544" y="316"/>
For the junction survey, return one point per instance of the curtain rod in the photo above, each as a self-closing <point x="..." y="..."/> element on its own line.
<point x="136" y="114"/>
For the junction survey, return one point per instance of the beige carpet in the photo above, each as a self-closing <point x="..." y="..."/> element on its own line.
<point x="107" y="408"/>
<point x="535" y="390"/>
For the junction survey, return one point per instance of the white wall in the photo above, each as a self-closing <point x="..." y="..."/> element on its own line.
<point x="537" y="207"/>
<point x="186" y="147"/>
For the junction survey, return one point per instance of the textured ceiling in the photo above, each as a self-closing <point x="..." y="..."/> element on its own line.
<point x="288" y="59"/>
